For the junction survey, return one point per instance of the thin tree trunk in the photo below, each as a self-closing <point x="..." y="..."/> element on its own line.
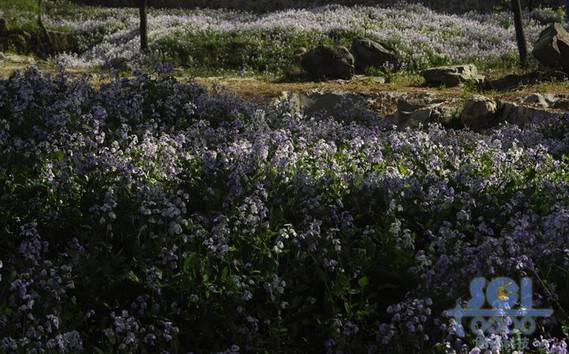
<point x="520" y="36"/>
<point x="143" y="26"/>
<point x="39" y="10"/>
<point x="45" y="39"/>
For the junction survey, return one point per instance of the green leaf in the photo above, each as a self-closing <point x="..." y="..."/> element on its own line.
<point x="402" y="169"/>
<point x="58" y="155"/>
<point x="224" y="273"/>
<point x="132" y="277"/>
<point x="363" y="282"/>
<point x="98" y="350"/>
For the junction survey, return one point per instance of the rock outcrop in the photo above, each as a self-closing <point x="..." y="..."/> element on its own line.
<point x="369" y="53"/>
<point x="479" y="113"/>
<point x="552" y="47"/>
<point x="452" y="75"/>
<point x="424" y="109"/>
<point x="411" y="110"/>
<point x="329" y="62"/>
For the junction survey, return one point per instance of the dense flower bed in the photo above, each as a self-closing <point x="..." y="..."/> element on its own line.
<point x="146" y="214"/>
<point x="244" y="41"/>
<point x="268" y="5"/>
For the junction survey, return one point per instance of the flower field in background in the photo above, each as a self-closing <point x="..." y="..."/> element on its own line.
<point x="148" y="215"/>
<point x="267" y="43"/>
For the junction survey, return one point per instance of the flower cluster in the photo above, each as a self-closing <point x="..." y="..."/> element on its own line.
<point x="147" y="215"/>
<point x="243" y="41"/>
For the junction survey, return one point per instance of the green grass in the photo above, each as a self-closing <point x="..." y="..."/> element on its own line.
<point x="19" y="5"/>
<point x="20" y="14"/>
<point x="250" y="51"/>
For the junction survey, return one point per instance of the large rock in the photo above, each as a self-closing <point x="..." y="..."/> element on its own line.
<point x="342" y="105"/>
<point x="552" y="47"/>
<point x="424" y="109"/>
<point x="368" y="53"/>
<point x="452" y="75"/>
<point x="413" y="103"/>
<point x="521" y="115"/>
<point x="329" y="62"/>
<point x="479" y="113"/>
<point x="539" y="100"/>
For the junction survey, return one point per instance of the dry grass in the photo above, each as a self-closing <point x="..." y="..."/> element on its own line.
<point x="263" y="89"/>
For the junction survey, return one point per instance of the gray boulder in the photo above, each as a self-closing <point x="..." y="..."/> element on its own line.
<point x="369" y="53"/>
<point x="552" y="47"/>
<point x="521" y="115"/>
<point x="413" y="103"/>
<point x="479" y="113"/>
<point x="423" y="110"/>
<point x="539" y="100"/>
<point x="342" y="105"/>
<point x="435" y="113"/>
<point x="329" y="62"/>
<point x="451" y="76"/>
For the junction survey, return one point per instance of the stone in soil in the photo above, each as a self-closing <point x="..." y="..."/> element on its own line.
<point x="451" y="76"/>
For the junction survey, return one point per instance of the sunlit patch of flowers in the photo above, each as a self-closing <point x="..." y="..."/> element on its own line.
<point x="423" y="36"/>
<point x="146" y="214"/>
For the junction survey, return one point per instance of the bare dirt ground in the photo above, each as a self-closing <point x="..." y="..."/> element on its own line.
<point x="263" y="89"/>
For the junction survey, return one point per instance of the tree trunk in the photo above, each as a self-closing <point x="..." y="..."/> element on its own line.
<point x="45" y="39"/>
<point x="39" y="10"/>
<point x="520" y="36"/>
<point x="143" y="26"/>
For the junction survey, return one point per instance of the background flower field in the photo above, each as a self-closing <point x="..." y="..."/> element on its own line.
<point x="210" y="40"/>
<point x="146" y="214"/>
